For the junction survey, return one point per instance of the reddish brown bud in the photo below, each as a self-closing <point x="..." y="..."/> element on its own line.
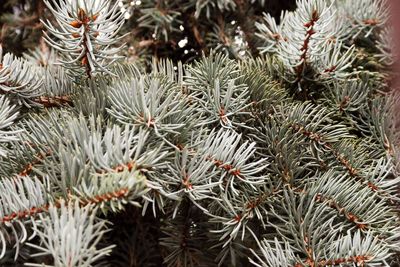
<point x="76" y="24"/>
<point x="276" y="36"/>
<point x="95" y="16"/>
<point x="81" y="14"/>
<point x="84" y="61"/>
<point x="238" y="218"/>
<point x="315" y="15"/>
<point x="371" y="22"/>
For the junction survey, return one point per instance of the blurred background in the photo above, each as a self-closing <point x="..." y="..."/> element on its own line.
<point x="395" y="21"/>
<point x="177" y="29"/>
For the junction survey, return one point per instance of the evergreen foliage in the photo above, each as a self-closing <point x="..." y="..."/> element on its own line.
<point x="287" y="158"/>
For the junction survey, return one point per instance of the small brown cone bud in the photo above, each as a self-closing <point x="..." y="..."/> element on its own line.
<point x="96" y="34"/>
<point x="76" y="35"/>
<point x="81" y="14"/>
<point x="84" y="61"/>
<point x="76" y="24"/>
<point x="95" y="16"/>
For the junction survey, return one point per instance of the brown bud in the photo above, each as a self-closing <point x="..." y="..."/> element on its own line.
<point x="76" y="35"/>
<point x="95" y="34"/>
<point x="95" y="16"/>
<point x="76" y="24"/>
<point x="84" y="61"/>
<point x="81" y="14"/>
<point x="371" y="22"/>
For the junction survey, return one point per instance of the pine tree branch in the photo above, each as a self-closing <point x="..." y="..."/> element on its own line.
<point x="54" y="101"/>
<point x="29" y="167"/>
<point x="93" y="27"/>
<point x="315" y="137"/>
<point x="19" y="78"/>
<point x="360" y="260"/>
<point x="305" y="46"/>
<point x="8" y="114"/>
<point x="75" y="235"/>
<point x="341" y="210"/>
<point x="118" y="194"/>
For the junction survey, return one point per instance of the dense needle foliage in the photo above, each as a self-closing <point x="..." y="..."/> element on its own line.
<point x="198" y="133"/>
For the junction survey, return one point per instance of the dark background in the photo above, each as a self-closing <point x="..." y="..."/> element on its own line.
<point x="21" y="30"/>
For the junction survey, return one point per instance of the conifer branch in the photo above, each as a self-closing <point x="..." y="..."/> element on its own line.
<point x="56" y="101"/>
<point x="353" y="172"/>
<point x="93" y="26"/>
<point x="8" y="113"/>
<point x="18" y="78"/>
<point x="31" y="198"/>
<point x="285" y="159"/>
<point x="75" y="235"/>
<point x="29" y="167"/>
